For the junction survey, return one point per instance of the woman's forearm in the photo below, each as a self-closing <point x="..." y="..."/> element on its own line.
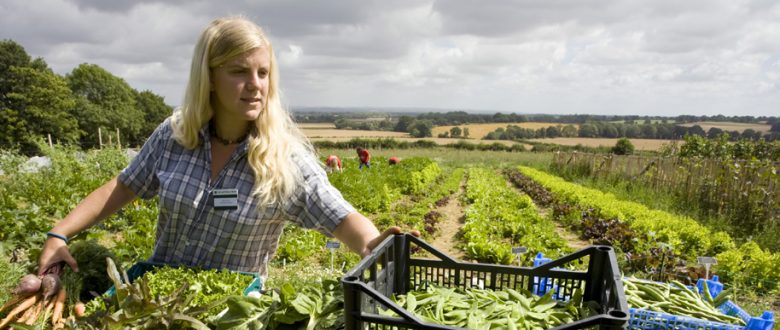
<point x="357" y="231"/>
<point x="98" y="205"/>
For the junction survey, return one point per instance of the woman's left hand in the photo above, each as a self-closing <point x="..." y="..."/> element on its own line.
<point x="379" y="239"/>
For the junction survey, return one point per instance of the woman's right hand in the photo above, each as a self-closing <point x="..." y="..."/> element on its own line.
<point x="54" y="252"/>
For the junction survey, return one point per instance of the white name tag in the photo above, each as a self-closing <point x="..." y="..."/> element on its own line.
<point x="225" y="199"/>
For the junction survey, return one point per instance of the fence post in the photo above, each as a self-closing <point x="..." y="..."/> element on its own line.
<point x="50" y="145"/>
<point x="100" y="138"/>
<point x="118" y="144"/>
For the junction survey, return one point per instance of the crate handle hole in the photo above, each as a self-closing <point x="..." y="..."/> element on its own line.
<point x="618" y="314"/>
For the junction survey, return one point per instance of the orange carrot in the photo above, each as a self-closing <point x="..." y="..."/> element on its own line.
<point x="26" y="315"/>
<point x="31" y="315"/>
<point x="59" y="306"/>
<point x="60" y="325"/>
<point x="34" y="315"/>
<point x="49" y="306"/>
<point x="13" y="301"/>
<point x="27" y="303"/>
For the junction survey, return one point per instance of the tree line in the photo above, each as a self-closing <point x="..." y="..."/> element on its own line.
<point x="648" y="127"/>
<point x="634" y="131"/>
<point x="35" y="102"/>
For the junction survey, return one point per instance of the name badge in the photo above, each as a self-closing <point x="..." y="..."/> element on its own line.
<point x="225" y="199"/>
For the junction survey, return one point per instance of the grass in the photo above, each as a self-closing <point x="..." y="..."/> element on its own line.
<point x="10" y="274"/>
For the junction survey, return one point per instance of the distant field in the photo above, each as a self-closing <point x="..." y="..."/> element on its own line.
<point x="478" y="131"/>
<point x="729" y="126"/>
<point x="639" y="144"/>
<point x="411" y="139"/>
<point x="328" y="132"/>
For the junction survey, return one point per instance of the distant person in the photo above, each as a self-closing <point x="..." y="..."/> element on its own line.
<point x="333" y="163"/>
<point x="365" y="158"/>
<point x="393" y="160"/>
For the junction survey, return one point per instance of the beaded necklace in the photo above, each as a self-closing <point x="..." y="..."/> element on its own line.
<point x="224" y="141"/>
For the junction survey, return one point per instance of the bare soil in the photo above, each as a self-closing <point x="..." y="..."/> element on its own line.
<point x="449" y="226"/>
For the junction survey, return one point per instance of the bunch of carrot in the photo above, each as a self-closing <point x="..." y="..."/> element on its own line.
<point x="36" y="296"/>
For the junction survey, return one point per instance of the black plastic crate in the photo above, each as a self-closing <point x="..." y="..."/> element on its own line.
<point x="390" y="269"/>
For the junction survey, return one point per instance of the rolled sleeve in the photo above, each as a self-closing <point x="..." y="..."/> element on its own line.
<point x="141" y="175"/>
<point x="317" y="205"/>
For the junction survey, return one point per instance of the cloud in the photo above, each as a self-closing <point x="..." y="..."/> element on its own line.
<point x="603" y="56"/>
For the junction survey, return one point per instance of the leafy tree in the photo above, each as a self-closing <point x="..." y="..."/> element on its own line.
<point x="403" y="123"/>
<point x="714" y="132"/>
<point x="609" y="130"/>
<point x="465" y="132"/>
<point x="455" y="132"/>
<point x="665" y="132"/>
<point x="421" y="128"/>
<point x="588" y="130"/>
<point x="34" y="102"/>
<point x="775" y="127"/>
<point x="553" y="131"/>
<point x="105" y="101"/>
<point x="696" y="130"/>
<point x="155" y="111"/>
<point x="649" y="131"/>
<point x="623" y="147"/>
<point x="633" y="131"/>
<point x="569" y="131"/>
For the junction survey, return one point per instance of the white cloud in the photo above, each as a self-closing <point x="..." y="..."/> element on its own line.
<point x="599" y="56"/>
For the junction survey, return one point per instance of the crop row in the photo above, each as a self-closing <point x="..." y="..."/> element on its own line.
<point x="498" y="213"/>
<point x="374" y="189"/>
<point x="747" y="264"/>
<point x="418" y="212"/>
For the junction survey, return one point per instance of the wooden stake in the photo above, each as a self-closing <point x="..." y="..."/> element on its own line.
<point x="118" y="144"/>
<point x="100" y="137"/>
<point x="50" y="146"/>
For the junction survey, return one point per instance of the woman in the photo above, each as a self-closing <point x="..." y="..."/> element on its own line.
<point x="230" y="167"/>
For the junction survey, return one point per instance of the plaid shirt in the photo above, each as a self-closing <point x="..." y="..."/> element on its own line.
<point x="191" y="232"/>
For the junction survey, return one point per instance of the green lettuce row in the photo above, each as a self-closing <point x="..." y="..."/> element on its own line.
<point x="370" y="191"/>
<point x="749" y="264"/>
<point x="498" y="213"/>
<point x="412" y="214"/>
<point x="375" y="189"/>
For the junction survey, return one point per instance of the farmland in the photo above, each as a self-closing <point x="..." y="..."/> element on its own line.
<point x="730" y="126"/>
<point x="328" y="132"/>
<point x="498" y="200"/>
<point x="640" y="144"/>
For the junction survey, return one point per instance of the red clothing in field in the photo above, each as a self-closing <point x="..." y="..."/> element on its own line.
<point x="333" y="161"/>
<point x="393" y="160"/>
<point x="364" y="156"/>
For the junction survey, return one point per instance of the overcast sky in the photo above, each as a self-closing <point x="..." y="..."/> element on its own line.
<point x="659" y="57"/>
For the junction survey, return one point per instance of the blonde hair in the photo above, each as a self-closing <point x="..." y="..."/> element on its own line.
<point x="273" y="136"/>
